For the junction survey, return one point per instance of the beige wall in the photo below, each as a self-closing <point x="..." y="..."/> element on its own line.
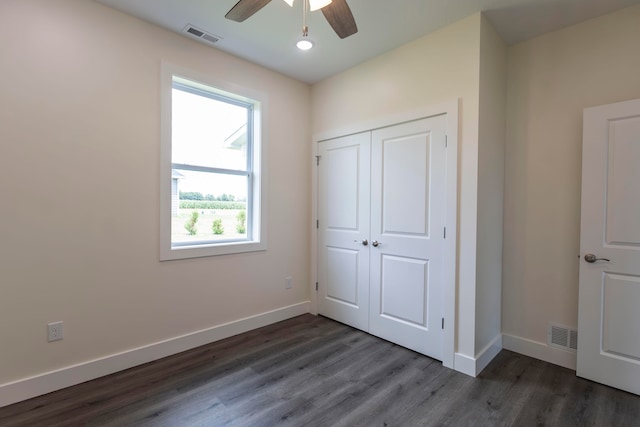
<point x="552" y="78"/>
<point x="79" y="170"/>
<point x="433" y="69"/>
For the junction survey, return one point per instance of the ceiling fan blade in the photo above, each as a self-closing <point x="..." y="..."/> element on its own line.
<point x="244" y="9"/>
<point x="340" y="18"/>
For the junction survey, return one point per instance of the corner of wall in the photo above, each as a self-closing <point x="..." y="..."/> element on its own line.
<point x="539" y="350"/>
<point x="473" y="366"/>
<point x="491" y="147"/>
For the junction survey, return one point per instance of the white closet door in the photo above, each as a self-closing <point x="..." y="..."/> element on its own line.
<point x="343" y="265"/>
<point x="408" y="177"/>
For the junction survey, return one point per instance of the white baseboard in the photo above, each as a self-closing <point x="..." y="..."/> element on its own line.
<point x="486" y="355"/>
<point x="27" y="388"/>
<point x="465" y="364"/>
<point x="474" y="365"/>
<point x="539" y="350"/>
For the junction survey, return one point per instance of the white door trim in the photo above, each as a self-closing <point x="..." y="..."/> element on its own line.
<point x="451" y="109"/>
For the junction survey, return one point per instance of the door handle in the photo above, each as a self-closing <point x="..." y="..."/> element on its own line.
<point x="375" y="243"/>
<point x="365" y="242"/>
<point x="591" y="258"/>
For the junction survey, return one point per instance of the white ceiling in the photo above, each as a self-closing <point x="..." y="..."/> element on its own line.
<point x="268" y="37"/>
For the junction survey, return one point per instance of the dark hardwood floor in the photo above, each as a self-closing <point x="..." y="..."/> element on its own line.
<point x="311" y="371"/>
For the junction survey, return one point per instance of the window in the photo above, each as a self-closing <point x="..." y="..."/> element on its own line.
<point x="211" y="186"/>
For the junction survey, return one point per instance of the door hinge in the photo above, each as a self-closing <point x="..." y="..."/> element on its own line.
<point x="317" y="160"/>
<point x="443" y="323"/>
<point x="316" y="286"/>
<point x="445" y="232"/>
<point x="317" y="223"/>
<point x="446" y="141"/>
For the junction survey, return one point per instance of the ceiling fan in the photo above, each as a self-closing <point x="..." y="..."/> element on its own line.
<point x="337" y="13"/>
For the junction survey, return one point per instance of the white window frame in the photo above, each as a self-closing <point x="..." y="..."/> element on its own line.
<point x="256" y="225"/>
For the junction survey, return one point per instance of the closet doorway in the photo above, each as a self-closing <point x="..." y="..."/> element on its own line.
<point x="382" y="232"/>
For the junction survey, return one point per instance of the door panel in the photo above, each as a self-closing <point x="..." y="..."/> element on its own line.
<point x="608" y="320"/>
<point x="343" y="187"/>
<point x="407" y="206"/>
<point x="404" y="300"/>
<point x="623" y="178"/>
<point x="619" y="309"/>
<point x="342" y="275"/>
<point x="343" y="217"/>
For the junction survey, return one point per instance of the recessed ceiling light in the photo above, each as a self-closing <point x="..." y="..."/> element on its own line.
<point x="304" y="44"/>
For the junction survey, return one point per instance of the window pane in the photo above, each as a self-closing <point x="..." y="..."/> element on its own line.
<point x="208" y="132"/>
<point x="211" y="194"/>
<point x="208" y="207"/>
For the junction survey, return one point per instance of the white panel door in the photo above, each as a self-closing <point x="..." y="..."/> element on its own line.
<point x="343" y="229"/>
<point x="407" y="234"/>
<point x="609" y="306"/>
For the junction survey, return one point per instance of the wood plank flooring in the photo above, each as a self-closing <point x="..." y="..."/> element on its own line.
<point x="311" y="371"/>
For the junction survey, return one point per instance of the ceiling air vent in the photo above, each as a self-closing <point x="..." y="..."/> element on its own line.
<point x="203" y="36"/>
<point x="562" y="337"/>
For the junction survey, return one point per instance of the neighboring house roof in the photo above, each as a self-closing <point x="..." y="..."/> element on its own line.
<point x="238" y="139"/>
<point x="176" y="175"/>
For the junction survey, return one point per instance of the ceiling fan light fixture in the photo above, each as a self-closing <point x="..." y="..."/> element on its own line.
<point x="336" y="12"/>
<point x="313" y="4"/>
<point x="318" y="4"/>
<point x="304" y="44"/>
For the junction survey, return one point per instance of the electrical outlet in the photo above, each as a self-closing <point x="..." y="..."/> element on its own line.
<point x="288" y="282"/>
<point x="54" y="331"/>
